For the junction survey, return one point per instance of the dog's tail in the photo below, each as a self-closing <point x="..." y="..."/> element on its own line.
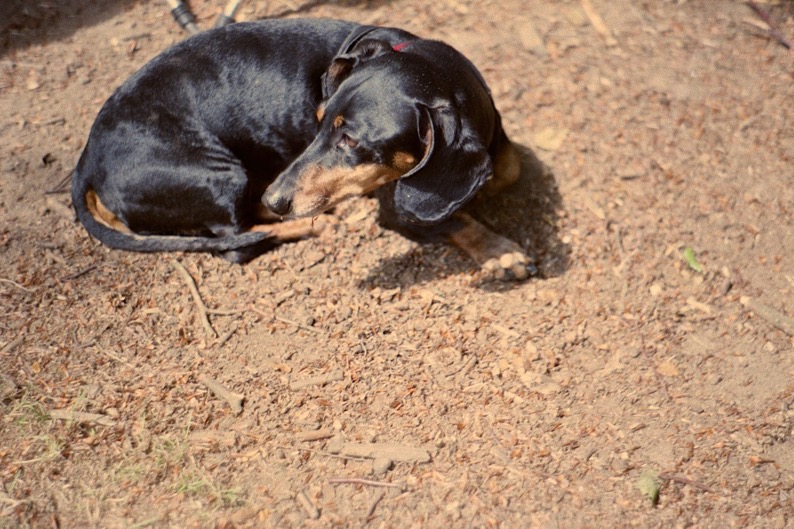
<point x="82" y="193"/>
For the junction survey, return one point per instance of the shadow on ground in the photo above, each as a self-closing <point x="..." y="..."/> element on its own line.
<point x="527" y="212"/>
<point x="25" y="23"/>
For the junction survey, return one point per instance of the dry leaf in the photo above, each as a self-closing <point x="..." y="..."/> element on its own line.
<point x="550" y="138"/>
<point x="668" y="369"/>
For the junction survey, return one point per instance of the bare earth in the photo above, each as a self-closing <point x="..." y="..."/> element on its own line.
<point x="387" y="383"/>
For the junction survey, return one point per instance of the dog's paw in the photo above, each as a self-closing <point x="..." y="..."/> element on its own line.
<point x="509" y="266"/>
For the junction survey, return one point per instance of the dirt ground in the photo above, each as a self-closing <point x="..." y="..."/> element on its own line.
<point x="644" y="378"/>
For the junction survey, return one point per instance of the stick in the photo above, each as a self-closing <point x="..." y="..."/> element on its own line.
<point x="373" y="505"/>
<point x="319" y="380"/>
<point x="226" y="337"/>
<point x="191" y="284"/>
<point x="392" y="451"/>
<point x="234" y="399"/>
<point x="13" y="344"/>
<point x="367" y="482"/>
<point x="79" y="416"/>
<point x="315" y="435"/>
<point x="598" y="23"/>
<point x="769" y="22"/>
<point x="308" y="506"/>
<point x="15" y="284"/>
<point x="298" y="325"/>
<point x="80" y="273"/>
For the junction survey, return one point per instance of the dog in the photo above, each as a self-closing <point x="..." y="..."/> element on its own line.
<point x="237" y="139"/>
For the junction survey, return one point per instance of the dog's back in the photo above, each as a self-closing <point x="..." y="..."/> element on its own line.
<point x="203" y="127"/>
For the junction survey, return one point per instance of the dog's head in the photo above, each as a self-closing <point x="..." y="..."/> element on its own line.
<point x="390" y="115"/>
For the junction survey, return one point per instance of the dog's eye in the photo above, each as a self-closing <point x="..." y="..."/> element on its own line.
<point x="347" y="141"/>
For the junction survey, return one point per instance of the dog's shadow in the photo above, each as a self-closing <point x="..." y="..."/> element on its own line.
<point x="527" y="212"/>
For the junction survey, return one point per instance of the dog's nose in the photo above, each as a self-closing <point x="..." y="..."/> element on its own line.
<point x="277" y="201"/>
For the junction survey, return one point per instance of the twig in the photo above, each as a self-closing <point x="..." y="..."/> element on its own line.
<point x="79" y="416"/>
<point x="202" y="308"/>
<point x="298" y="325"/>
<point x="769" y="22"/>
<point x="321" y="453"/>
<point x="683" y="481"/>
<point x="598" y="23"/>
<point x="373" y="505"/>
<point x="387" y="451"/>
<point x="308" y="506"/>
<point x="13" y="344"/>
<point x="367" y="482"/>
<point x="118" y="359"/>
<point x="229" y="312"/>
<point x="61" y="186"/>
<point x="315" y="435"/>
<point x="15" y="284"/>
<point x="80" y="273"/>
<point x="226" y="337"/>
<point x="234" y="399"/>
<point x="319" y="380"/>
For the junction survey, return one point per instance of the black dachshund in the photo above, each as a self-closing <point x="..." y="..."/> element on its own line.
<point x="218" y="139"/>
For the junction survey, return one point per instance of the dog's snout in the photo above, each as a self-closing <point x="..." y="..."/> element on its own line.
<point x="277" y="201"/>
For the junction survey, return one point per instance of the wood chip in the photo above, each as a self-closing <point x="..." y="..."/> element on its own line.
<point x="598" y="23"/>
<point x="235" y="400"/>
<point x="668" y="369"/>
<point x="79" y="416"/>
<point x="315" y="435"/>
<point x="391" y="451"/>
<point x="320" y="380"/>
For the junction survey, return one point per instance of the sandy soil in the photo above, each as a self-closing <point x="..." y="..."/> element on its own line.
<point x="386" y="383"/>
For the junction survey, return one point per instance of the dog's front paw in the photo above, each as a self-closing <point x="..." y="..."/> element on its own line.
<point x="509" y="266"/>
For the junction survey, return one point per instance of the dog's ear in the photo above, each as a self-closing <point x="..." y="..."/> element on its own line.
<point x="453" y="168"/>
<point x="343" y="64"/>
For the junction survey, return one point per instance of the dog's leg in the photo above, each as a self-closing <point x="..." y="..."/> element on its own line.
<point x="279" y="232"/>
<point x="293" y="230"/>
<point x="498" y="257"/>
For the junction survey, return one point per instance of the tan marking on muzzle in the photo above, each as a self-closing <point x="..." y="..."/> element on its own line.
<point x="322" y="188"/>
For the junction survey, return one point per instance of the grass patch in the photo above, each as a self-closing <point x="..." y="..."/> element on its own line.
<point x="194" y="485"/>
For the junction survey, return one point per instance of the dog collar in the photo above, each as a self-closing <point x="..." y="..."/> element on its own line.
<point x="401" y="46"/>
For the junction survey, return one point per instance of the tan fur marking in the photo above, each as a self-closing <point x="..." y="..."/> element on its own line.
<point x="102" y="214"/>
<point x="320" y="189"/>
<point x="338" y="121"/>
<point x="293" y="230"/>
<point x="507" y="168"/>
<point x="320" y="112"/>
<point x="403" y="161"/>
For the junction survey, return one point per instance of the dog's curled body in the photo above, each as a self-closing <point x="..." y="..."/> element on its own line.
<point x="231" y="129"/>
